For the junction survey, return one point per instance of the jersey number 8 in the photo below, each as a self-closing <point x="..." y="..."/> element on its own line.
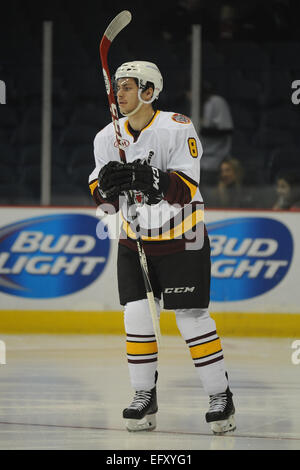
<point x="193" y="147"/>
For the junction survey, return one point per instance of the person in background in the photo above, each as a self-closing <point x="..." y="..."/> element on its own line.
<point x="215" y="133"/>
<point x="287" y="190"/>
<point x="230" y="191"/>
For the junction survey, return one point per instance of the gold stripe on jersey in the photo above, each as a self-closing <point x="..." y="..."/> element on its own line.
<point x="141" y="348"/>
<point x="192" y="187"/>
<point x="152" y="120"/>
<point x="206" y="349"/>
<point x="126" y="128"/>
<point x="184" y="226"/>
<point x="146" y="127"/>
<point x="93" y="185"/>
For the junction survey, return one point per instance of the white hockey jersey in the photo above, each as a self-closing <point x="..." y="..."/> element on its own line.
<point x="170" y="143"/>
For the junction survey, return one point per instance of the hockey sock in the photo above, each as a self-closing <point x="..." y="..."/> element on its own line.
<point x="141" y="344"/>
<point x="198" y="330"/>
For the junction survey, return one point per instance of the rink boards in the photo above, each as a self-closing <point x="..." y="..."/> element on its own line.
<point x="58" y="272"/>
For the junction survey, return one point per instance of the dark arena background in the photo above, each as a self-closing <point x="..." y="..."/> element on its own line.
<point x="249" y="55"/>
<point x="233" y="67"/>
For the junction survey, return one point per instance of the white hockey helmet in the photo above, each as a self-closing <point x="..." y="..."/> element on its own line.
<point x="144" y="72"/>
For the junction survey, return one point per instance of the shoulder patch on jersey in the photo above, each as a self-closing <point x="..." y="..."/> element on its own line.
<point x="181" y="118"/>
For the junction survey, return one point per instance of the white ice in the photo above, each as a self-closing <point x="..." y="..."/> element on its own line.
<point x="68" y="392"/>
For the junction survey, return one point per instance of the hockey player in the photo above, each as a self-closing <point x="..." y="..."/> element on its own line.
<point x="163" y="155"/>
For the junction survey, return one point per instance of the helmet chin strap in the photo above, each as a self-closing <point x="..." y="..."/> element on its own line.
<point x="141" y="102"/>
<point x="134" y="111"/>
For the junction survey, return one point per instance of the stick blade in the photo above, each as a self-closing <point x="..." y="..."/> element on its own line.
<point x="117" y="24"/>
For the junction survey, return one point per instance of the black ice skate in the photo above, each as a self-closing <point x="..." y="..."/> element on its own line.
<point x="221" y="412"/>
<point x="140" y="415"/>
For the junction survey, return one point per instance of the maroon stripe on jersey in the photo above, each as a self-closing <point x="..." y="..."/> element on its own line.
<point x="178" y="192"/>
<point x="178" y="219"/>
<point x="206" y="363"/>
<point x="201" y="337"/>
<point x="164" y="247"/>
<point x="190" y="180"/>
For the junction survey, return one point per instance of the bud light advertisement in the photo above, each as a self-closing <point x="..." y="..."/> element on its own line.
<point x="250" y="256"/>
<point x="51" y="256"/>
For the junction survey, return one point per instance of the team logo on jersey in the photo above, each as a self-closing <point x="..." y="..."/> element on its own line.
<point x="123" y="143"/>
<point x="181" y="118"/>
<point x="250" y="256"/>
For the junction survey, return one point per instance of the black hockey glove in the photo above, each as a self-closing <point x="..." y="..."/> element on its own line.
<point x="107" y="185"/>
<point x="139" y="176"/>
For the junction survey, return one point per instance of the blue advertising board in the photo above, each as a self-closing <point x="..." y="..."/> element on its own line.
<point x="51" y="256"/>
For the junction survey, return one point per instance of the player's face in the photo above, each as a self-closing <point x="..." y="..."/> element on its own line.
<point x="127" y="95"/>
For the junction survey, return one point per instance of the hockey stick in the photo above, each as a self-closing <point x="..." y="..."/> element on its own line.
<point x="113" y="29"/>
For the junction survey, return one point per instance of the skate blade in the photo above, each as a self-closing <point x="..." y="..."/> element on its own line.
<point x="148" y="423"/>
<point x="224" y="426"/>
